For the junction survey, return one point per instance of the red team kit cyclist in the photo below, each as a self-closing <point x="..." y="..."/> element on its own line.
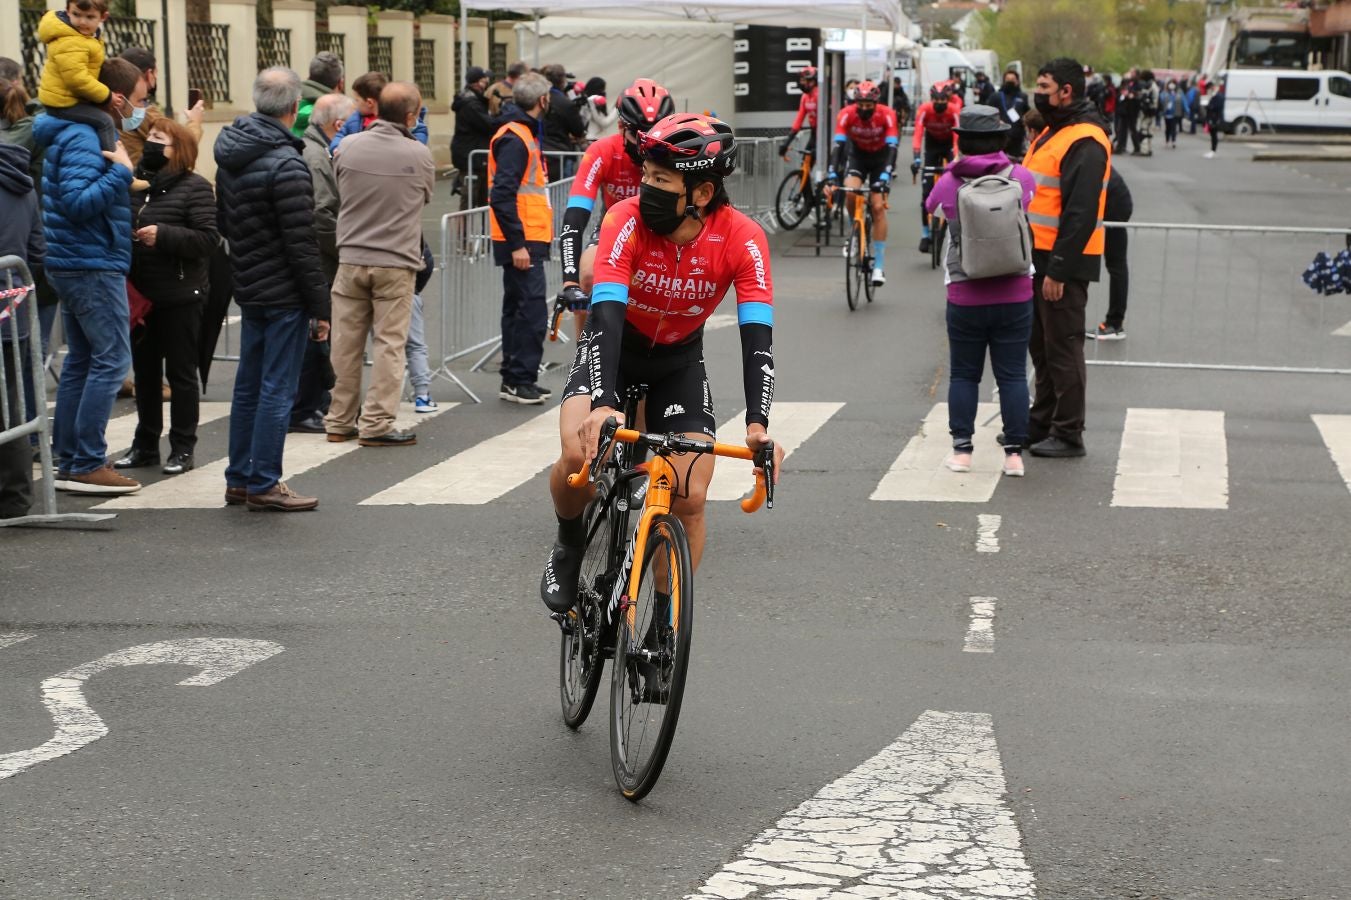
<point x="665" y="260"/>
<point x="866" y="136"/>
<point x="806" y="109"/>
<point x="935" y="145"/>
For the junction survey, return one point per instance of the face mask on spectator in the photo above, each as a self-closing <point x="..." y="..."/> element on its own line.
<point x="152" y="157"/>
<point x="132" y="122"/>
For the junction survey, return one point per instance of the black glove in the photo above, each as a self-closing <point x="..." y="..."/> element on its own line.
<point x="914" y="167"/>
<point x="783" y="148"/>
<point x="574" y="298"/>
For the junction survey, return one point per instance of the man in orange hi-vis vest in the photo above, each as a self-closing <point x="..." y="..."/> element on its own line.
<point x="1071" y="161"/>
<point x="522" y="230"/>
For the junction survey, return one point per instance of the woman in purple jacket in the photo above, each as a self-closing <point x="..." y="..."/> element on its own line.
<point x="984" y="314"/>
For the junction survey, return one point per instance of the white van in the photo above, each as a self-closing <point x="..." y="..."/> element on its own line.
<point x="1286" y="98"/>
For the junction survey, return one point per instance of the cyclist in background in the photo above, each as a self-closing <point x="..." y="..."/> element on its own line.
<point x="866" y="137"/>
<point x="665" y="261"/>
<point x="806" y="109"/>
<point x="935" y="146"/>
<point x="612" y="167"/>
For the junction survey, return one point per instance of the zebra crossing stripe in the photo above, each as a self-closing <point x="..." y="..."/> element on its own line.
<point x="1173" y="459"/>
<point x="1336" y="431"/>
<point x="919" y="474"/>
<point x="13" y="637"/>
<point x="204" y="487"/>
<point x="790" y="425"/>
<point x="484" y="472"/>
<point x="926" y="817"/>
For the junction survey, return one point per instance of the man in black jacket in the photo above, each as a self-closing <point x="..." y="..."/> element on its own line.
<point x="564" y="127"/>
<point x="1070" y="161"/>
<point x="1012" y="104"/>
<point x="21" y="236"/>
<point x="473" y="129"/>
<point x="265" y="203"/>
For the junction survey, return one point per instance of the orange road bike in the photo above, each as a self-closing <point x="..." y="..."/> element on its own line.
<point x="635" y="593"/>
<point x="858" y="259"/>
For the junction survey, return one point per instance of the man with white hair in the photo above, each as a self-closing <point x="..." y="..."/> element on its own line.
<point x="316" y="373"/>
<point x="265" y="202"/>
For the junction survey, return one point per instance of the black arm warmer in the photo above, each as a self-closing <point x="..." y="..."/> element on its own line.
<point x="838" y="157"/>
<point x="604" y="329"/>
<point x="891" y="157"/>
<point x="757" y="365"/>
<point x="575" y="220"/>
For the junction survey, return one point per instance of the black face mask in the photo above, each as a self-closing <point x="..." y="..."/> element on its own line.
<point x="940" y="107"/>
<point x="1043" y="104"/>
<point x="658" y="209"/>
<point x="631" y="148"/>
<point x="866" y="114"/>
<point x="1010" y="87"/>
<point x="152" y="157"/>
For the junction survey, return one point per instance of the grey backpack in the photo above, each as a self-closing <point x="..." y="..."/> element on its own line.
<point x="993" y="237"/>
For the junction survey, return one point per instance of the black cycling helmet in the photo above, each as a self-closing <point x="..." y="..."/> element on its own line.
<point x="691" y="143"/>
<point x="644" y="104"/>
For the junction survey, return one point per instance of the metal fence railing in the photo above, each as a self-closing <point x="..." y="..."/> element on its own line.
<point x="18" y="302"/>
<point x="122" y="32"/>
<point x="380" y="54"/>
<point x="209" y="60"/>
<point x="34" y="51"/>
<point x="1227" y="297"/>
<point x="478" y="163"/>
<point x="471" y="284"/>
<point x="274" y="47"/>
<point x="424" y="67"/>
<point x="331" y="41"/>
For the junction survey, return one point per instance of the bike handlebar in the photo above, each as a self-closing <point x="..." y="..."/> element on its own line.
<point x="562" y="305"/>
<point x="762" y="458"/>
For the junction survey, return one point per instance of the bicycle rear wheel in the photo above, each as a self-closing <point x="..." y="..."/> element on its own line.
<point x="652" y="650"/>
<point x="853" y="269"/>
<point x="581" y="656"/>
<point x="868" y="261"/>
<point x="791" y="203"/>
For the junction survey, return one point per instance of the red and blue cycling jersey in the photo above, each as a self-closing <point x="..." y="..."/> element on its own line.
<point x="605" y="167"/>
<point x="868" y="135"/>
<point x="806" y="110"/>
<point x="665" y="292"/>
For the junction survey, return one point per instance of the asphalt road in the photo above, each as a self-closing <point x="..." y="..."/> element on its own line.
<point x="1168" y="688"/>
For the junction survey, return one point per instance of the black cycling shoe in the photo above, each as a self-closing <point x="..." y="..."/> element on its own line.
<point x="925" y="244"/>
<point x="558" y="585"/>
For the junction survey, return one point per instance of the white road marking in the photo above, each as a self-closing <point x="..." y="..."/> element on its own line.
<point x="1173" y="458"/>
<point x="485" y="471"/>
<point x="980" y="633"/>
<point x="1336" y="431"/>
<point x="987" y="533"/>
<point x="919" y="474"/>
<point x="720" y="320"/>
<point x="77" y="725"/>
<point x="1345" y="330"/>
<point x="122" y="429"/>
<point x="790" y="425"/>
<point x="233" y="320"/>
<point x="925" y="818"/>
<point x="12" y="638"/>
<point x="204" y="487"/>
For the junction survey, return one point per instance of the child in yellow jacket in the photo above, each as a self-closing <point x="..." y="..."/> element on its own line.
<point x="70" y="87"/>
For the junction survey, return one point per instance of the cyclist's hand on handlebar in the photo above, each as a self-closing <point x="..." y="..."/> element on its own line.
<point x="589" y="432"/>
<point x="883" y="184"/>
<point x="915" y="166"/>
<point x="573" y="298"/>
<point x="757" y="438"/>
<point x="783" y="149"/>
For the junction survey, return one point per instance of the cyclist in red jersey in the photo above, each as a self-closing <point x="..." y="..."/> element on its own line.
<point x="806" y="109"/>
<point x="935" y="146"/>
<point x="665" y="261"/>
<point x="866" y="137"/>
<point x="611" y="167"/>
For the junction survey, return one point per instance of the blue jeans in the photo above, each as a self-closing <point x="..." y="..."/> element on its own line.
<point x="97" y="323"/>
<point x="419" y="371"/>
<point x="271" y="348"/>
<point x="1003" y="329"/>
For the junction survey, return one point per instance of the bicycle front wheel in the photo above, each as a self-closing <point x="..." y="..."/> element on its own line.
<point x="582" y="656"/>
<point x="652" y="650"/>
<point x="939" y="232"/>
<point x="792" y="203"/>
<point x="854" y="275"/>
<point x="868" y="261"/>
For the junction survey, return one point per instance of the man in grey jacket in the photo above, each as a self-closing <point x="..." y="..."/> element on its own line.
<point x="316" y="374"/>
<point x="385" y="178"/>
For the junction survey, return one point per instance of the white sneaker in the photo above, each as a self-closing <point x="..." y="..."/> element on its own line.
<point x="1210" y="154"/>
<point x="879" y="278"/>
<point x="959" y="462"/>
<point x="1013" y="465"/>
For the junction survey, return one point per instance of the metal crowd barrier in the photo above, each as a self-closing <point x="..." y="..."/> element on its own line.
<point x="19" y="298"/>
<point x="475" y="155"/>
<point x="1226" y="297"/>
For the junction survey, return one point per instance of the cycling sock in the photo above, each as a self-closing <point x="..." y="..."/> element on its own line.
<point x="879" y="254"/>
<point x="924" y="231"/>
<point x="571" y="532"/>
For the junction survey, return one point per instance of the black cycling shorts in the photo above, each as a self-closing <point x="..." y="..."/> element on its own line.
<point x="678" y="396"/>
<point x="868" y="166"/>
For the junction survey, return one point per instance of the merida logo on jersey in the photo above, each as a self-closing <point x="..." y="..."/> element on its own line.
<point x="622" y="239"/>
<point x="759" y="264"/>
<point x="595" y="171"/>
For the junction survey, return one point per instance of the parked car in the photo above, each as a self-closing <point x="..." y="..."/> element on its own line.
<point x="1286" y="98"/>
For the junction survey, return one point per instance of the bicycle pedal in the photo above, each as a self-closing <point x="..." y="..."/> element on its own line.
<point x="566" y="621"/>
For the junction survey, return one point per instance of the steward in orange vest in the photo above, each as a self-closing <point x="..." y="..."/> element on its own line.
<point x="518" y="198"/>
<point x="1071" y="162"/>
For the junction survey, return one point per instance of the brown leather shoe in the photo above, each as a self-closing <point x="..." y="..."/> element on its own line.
<point x="338" y="437"/>
<point x="282" y="499"/>
<point x="235" y="496"/>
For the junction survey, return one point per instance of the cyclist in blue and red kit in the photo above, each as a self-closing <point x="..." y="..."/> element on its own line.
<point x="935" y="146"/>
<point x="866" y="135"/>
<point x="665" y="261"/>
<point x="613" y="169"/>
<point x="806" y="109"/>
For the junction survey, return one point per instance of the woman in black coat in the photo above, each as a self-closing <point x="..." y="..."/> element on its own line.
<point x="174" y="234"/>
